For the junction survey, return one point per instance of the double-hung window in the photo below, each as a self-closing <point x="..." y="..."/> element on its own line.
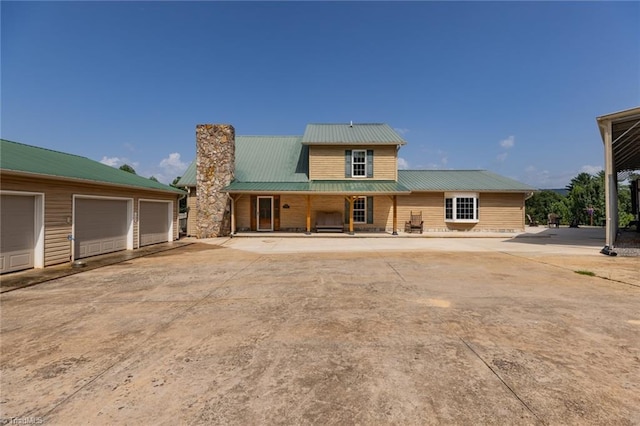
<point x="461" y="207"/>
<point x="359" y="163"/>
<point x="360" y="210"/>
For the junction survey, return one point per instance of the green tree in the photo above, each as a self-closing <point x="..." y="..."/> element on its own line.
<point x="586" y="198"/>
<point x="153" y="178"/>
<point x="128" y="168"/>
<point x="625" y="214"/>
<point x="542" y="203"/>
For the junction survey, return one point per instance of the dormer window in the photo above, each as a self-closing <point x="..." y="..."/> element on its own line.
<point x="359" y="163"/>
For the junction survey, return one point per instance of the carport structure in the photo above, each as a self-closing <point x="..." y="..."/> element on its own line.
<point x="620" y="133"/>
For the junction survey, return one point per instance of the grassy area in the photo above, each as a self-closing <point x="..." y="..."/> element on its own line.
<point x="583" y="272"/>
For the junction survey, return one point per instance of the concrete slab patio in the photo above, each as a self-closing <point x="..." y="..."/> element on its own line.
<point x="341" y="331"/>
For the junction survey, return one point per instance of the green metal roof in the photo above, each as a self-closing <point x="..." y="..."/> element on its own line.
<point x="264" y="159"/>
<point x="271" y="159"/>
<point x="188" y="178"/>
<point x="356" y="187"/>
<point x="459" y="180"/>
<point x="30" y="159"/>
<point x="351" y="134"/>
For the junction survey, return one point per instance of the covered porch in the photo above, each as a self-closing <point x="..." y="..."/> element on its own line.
<point x="341" y="206"/>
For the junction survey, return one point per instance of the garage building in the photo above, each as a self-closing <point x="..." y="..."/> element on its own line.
<point x="57" y="207"/>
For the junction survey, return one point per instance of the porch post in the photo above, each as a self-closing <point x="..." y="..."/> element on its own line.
<point x="233" y="215"/>
<point x="351" y="201"/>
<point x="610" y="186"/>
<point x="395" y="215"/>
<point x="308" y="215"/>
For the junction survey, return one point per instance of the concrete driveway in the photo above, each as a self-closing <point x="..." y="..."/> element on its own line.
<point x="337" y="331"/>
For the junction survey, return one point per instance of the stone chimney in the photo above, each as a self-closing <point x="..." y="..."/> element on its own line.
<point x="215" y="166"/>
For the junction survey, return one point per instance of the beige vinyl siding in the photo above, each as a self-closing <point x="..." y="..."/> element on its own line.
<point x="327" y="162"/>
<point x="295" y="217"/>
<point x="192" y="212"/>
<point x="497" y="212"/>
<point x="501" y="211"/>
<point x="430" y="204"/>
<point x="58" y="208"/>
<point x="243" y="218"/>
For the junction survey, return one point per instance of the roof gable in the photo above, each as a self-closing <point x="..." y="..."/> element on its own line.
<point x="459" y="180"/>
<point x="30" y="159"/>
<point x="351" y="134"/>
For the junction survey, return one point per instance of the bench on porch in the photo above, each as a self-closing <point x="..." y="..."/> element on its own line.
<point x="329" y="222"/>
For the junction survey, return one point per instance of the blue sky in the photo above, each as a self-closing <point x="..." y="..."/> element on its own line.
<point x="512" y="87"/>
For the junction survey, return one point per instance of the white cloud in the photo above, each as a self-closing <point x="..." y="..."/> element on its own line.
<point x="111" y="161"/>
<point x="118" y="161"/>
<point x="444" y="159"/>
<point x="508" y="142"/>
<point x="502" y="157"/>
<point x="403" y="164"/>
<point x="592" y="170"/>
<point x="401" y="130"/>
<point x="173" y="163"/>
<point x="169" y="168"/>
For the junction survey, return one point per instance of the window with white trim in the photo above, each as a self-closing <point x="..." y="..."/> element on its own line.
<point x="461" y="207"/>
<point x="359" y="163"/>
<point x="360" y="210"/>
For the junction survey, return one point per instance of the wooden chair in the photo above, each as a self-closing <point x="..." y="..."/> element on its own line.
<point x="553" y="220"/>
<point x="532" y="222"/>
<point x="415" y="222"/>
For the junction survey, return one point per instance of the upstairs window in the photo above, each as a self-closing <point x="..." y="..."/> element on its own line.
<point x="461" y="207"/>
<point x="359" y="163"/>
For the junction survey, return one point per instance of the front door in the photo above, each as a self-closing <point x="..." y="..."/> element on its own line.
<point x="265" y="214"/>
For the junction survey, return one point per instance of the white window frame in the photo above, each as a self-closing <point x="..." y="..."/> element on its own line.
<point x="363" y="209"/>
<point x="353" y="163"/>
<point x="454" y="196"/>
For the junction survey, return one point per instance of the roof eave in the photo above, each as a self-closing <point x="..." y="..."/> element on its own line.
<point x="604" y="120"/>
<point x="395" y="143"/>
<point x="176" y="192"/>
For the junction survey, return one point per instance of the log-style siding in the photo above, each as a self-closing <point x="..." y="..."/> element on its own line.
<point x="58" y="208"/>
<point x="327" y="162"/>
<point x="497" y="212"/>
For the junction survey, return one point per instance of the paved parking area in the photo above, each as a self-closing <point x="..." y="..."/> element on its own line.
<point x="354" y="331"/>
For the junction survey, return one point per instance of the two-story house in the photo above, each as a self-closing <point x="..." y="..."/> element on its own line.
<point x="293" y="183"/>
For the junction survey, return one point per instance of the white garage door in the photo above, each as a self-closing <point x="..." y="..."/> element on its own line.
<point x="17" y="232"/>
<point x="154" y="222"/>
<point x="101" y="226"/>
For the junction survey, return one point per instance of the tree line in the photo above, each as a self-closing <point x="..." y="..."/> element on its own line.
<point x="584" y="203"/>
<point x="183" y="201"/>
